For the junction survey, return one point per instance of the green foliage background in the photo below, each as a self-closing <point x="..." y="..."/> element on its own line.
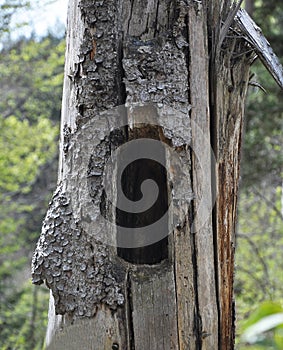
<point x="259" y="263"/>
<point x="31" y="79"/>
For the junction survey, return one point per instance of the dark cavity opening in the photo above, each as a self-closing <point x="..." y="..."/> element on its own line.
<point x="147" y="237"/>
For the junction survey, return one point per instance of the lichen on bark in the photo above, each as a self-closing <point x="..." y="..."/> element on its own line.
<point x="76" y="269"/>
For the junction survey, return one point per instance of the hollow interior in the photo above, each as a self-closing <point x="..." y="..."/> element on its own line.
<point x="151" y="224"/>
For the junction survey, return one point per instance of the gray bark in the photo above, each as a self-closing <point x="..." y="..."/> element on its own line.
<point x="161" y="53"/>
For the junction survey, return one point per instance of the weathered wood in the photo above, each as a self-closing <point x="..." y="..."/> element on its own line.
<point x="224" y="29"/>
<point x="83" y="334"/>
<point x="73" y="262"/>
<point x="229" y="81"/>
<point x="202" y="180"/>
<point x="154" y="308"/>
<point x="258" y="42"/>
<point x="185" y="288"/>
<point x="157" y="59"/>
<point x="163" y="77"/>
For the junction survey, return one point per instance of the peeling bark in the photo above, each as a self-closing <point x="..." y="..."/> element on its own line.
<point x="159" y="59"/>
<point x="229" y="76"/>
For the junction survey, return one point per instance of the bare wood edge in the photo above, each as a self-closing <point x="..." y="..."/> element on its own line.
<point x="262" y="47"/>
<point x="225" y="28"/>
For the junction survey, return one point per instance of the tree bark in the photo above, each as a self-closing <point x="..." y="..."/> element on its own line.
<point x="163" y="59"/>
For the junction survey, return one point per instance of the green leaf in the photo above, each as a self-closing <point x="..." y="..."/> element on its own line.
<point x="264" y="310"/>
<point x="255" y="332"/>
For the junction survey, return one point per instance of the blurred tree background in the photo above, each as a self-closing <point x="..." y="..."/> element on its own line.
<point x="31" y="79"/>
<point x="259" y="252"/>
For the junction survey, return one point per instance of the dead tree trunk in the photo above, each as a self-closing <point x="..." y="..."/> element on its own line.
<point x="184" y="82"/>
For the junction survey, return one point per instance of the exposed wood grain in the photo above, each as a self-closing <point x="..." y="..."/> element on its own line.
<point x="227" y="24"/>
<point x="203" y="203"/>
<point x="83" y="334"/>
<point x="154" y="309"/>
<point x="185" y="289"/>
<point x="229" y="80"/>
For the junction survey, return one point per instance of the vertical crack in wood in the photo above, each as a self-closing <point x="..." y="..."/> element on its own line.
<point x="156" y="19"/>
<point x="129" y="311"/>
<point x="197" y="321"/>
<point x="175" y="272"/>
<point x="215" y="244"/>
<point x="131" y="14"/>
<point x="213" y="140"/>
<point x="228" y="79"/>
<point x="122" y="95"/>
<point x="187" y="55"/>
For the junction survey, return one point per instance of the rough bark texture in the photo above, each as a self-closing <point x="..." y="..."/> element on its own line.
<point x="161" y="52"/>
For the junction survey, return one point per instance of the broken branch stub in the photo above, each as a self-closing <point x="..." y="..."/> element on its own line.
<point x="255" y="37"/>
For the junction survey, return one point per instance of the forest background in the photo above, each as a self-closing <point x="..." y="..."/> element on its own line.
<point x="31" y="80"/>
